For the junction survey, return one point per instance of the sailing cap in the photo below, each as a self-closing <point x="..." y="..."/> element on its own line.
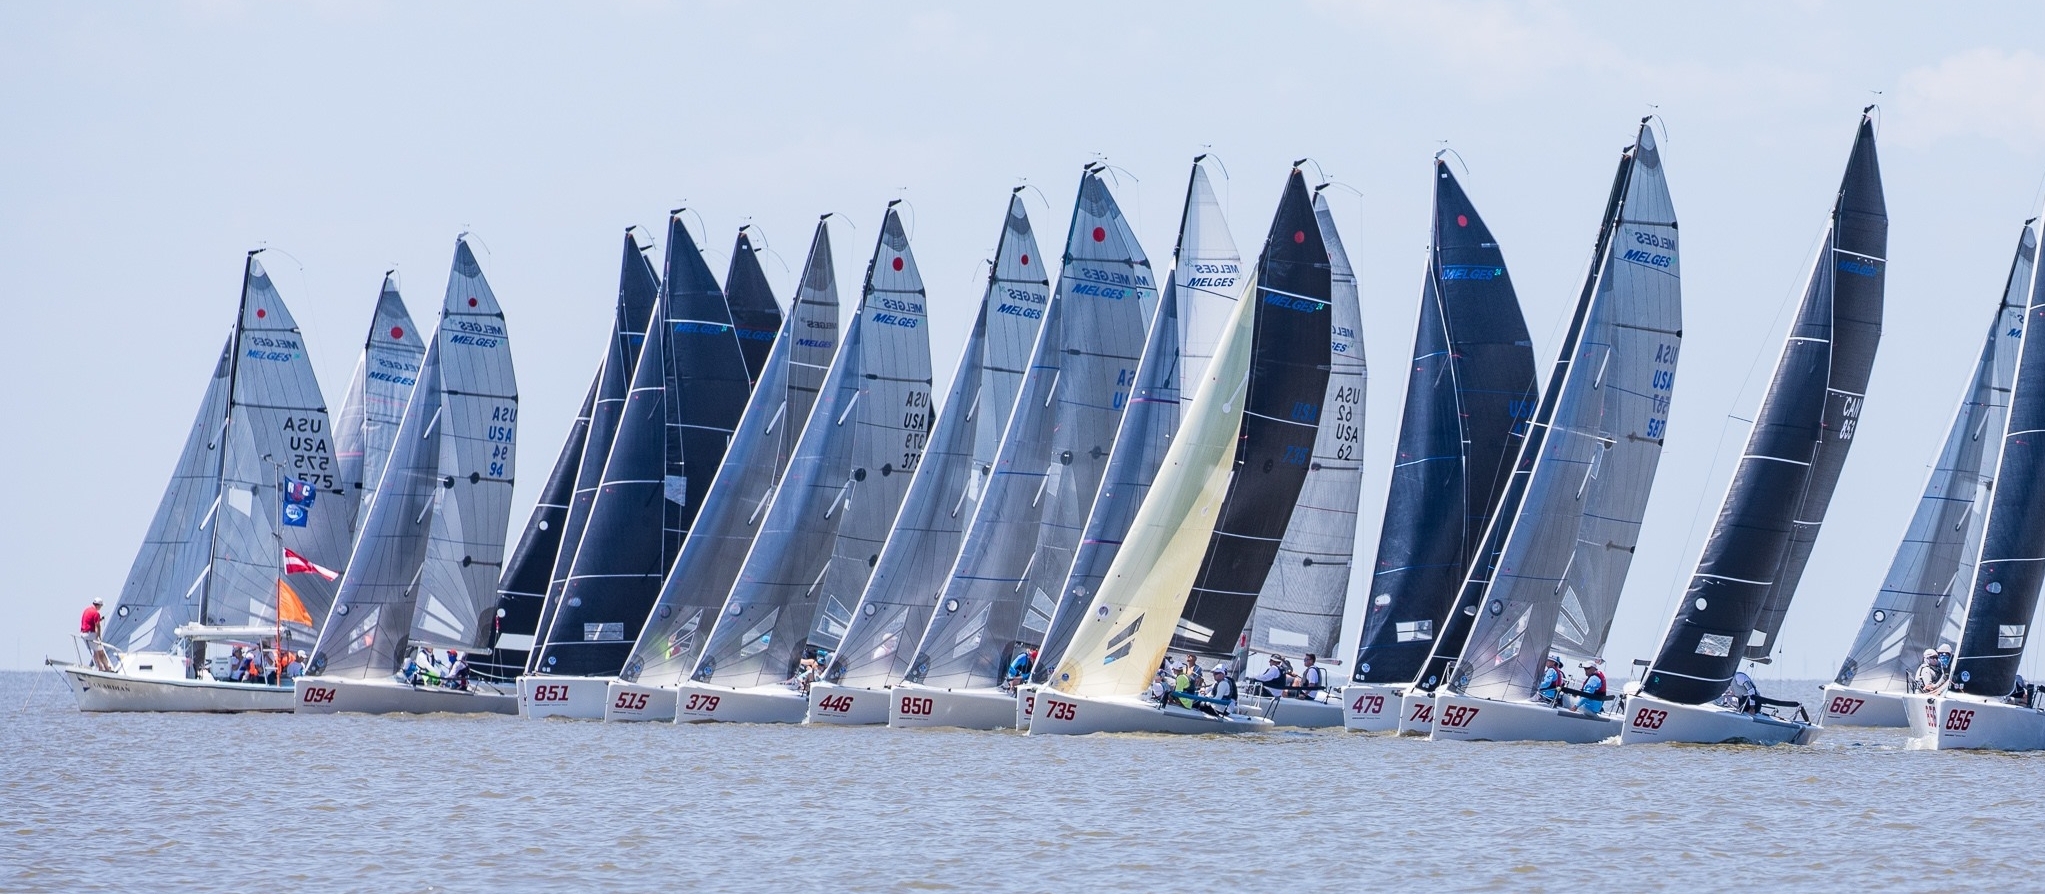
<point x="1931" y="653"/>
<point x="98" y="601"/>
<point x="1945" y="647"/>
<point x="1218" y="669"/>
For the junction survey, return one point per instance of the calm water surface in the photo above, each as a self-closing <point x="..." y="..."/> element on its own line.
<point x="286" y="803"/>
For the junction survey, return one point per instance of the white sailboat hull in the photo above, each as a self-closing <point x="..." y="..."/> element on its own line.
<point x="633" y="702"/>
<point x="1371" y="708"/>
<point x="847" y="705"/>
<point x="579" y="698"/>
<point x="1650" y="720"/>
<point x="1847" y="706"/>
<point x="1466" y="719"/>
<point x="102" y="691"/>
<point x="328" y="695"/>
<point x="1295" y="713"/>
<point x="708" y="703"/>
<point x="1416" y="713"/>
<point x="912" y="706"/>
<point x="1969" y="721"/>
<point x="1060" y="714"/>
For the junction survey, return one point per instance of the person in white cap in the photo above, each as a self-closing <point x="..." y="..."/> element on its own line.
<point x="90" y="626"/>
<point x="1929" y="674"/>
<point x="1595" y="687"/>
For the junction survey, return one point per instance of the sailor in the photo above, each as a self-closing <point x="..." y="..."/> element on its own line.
<point x="1221" y="694"/>
<point x="1019" y="669"/>
<point x="287" y="665"/>
<point x="809" y="670"/>
<point x="1945" y="660"/>
<point x="1310" y="681"/>
<point x="1272" y="678"/>
<point x="1552" y="681"/>
<point x="90" y="625"/>
<point x="458" y="675"/>
<point x="1185" y="684"/>
<point x="1594" y="688"/>
<point x="1929" y="674"/>
<point x="1746" y="697"/>
<point x="251" y="669"/>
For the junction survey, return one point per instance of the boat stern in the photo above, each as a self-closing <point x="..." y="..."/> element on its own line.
<point x="847" y="705"/>
<point x="630" y="702"/>
<point x="578" y="698"/>
<point x="708" y="703"/>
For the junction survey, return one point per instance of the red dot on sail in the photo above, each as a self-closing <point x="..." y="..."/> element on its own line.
<point x="1462" y="220"/>
<point x="397" y="332"/>
<point x="1100" y="235"/>
<point x="1299" y="236"/>
<point x="1025" y="260"/>
<point x="898" y="263"/>
<point x="472" y="302"/>
<point x="261" y="313"/>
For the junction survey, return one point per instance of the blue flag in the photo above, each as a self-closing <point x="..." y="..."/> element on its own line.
<point x="297" y="503"/>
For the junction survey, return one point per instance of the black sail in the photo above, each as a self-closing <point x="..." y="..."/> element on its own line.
<point x="1469" y="391"/>
<point x="2005" y="588"/>
<point x="687" y="392"/>
<point x="1758" y="547"/>
<point x="638" y="289"/>
<point x="1280" y="420"/>
<point x="755" y="315"/>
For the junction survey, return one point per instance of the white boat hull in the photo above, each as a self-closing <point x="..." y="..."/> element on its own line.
<point x="1294" y="713"/>
<point x="1847" y="706"/>
<point x="329" y="695"/>
<point x="1650" y="720"/>
<point x="103" y="691"/>
<point x="634" y="702"/>
<point x="847" y="705"/>
<point x="1025" y="703"/>
<point x="1416" y="713"/>
<point x="911" y="706"/>
<point x="708" y="703"/>
<point x="1371" y="708"/>
<point x="579" y="698"/>
<point x="1965" y="721"/>
<point x="1060" y="714"/>
<point x="1466" y="719"/>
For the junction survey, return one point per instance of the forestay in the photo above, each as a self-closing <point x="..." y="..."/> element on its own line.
<point x="1923" y="599"/>
<point x="822" y="535"/>
<point x="997" y="598"/>
<point x="761" y="447"/>
<point x="1570" y="539"/>
<point x="376" y="397"/>
<point x="945" y="493"/>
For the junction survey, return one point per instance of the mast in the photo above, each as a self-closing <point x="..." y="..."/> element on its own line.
<point x="248" y="269"/>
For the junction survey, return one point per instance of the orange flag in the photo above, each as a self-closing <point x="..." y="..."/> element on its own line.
<point x="289" y="607"/>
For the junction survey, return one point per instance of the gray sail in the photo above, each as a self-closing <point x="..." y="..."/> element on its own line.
<point x="376" y="397"/>
<point x="852" y="466"/>
<point x="1923" y="599"/>
<point x="761" y="447"/>
<point x="214" y="551"/>
<point x="638" y="290"/>
<point x="946" y="492"/>
<point x="998" y="597"/>
<point x="1299" y="611"/>
<point x="1557" y="578"/>
<point x="1198" y="300"/>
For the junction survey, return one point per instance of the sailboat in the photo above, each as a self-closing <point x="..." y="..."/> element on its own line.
<point x="522" y="590"/>
<point x="1776" y="502"/>
<point x="383" y="381"/>
<point x="1216" y="513"/>
<point x="1549" y="576"/>
<point x="424" y="572"/>
<point x="945" y="493"/>
<point x="1923" y="602"/>
<point x="688" y="390"/>
<point x="1198" y="302"/>
<point x="256" y="495"/>
<point x="1299" y="610"/>
<point x="1470" y="390"/>
<point x="1985" y="704"/>
<point x="824" y="531"/>
<point x="994" y="602"/>
<point x="726" y="525"/>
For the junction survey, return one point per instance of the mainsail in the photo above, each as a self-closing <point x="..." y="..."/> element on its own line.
<point x="688" y="389"/>
<point x="214" y="551"/>
<point x="376" y="397"/>
<point x="522" y="589"/>
<point x="2004" y="592"/>
<point x="852" y="466"/>
<point x="945" y="493"/>
<point x="1785" y="478"/>
<point x="426" y="566"/>
<point x="1469" y="390"/>
<point x="1922" y="601"/>
<point x="755" y="316"/>
<point x="730" y="517"/>
<point x="1049" y="466"/>
<point x="1198" y="301"/>
<point x="1589" y="460"/>
<point x="1299" y="610"/>
<point x="1273" y="356"/>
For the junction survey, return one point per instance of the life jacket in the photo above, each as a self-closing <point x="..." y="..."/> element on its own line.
<point x="1225" y="689"/>
<point x="1603" y="685"/>
<point x="1312" y="676"/>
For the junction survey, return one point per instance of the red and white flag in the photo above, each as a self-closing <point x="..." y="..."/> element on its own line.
<point x="297" y="564"/>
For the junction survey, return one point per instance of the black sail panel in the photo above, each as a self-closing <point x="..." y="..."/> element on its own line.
<point x="755" y="315"/>
<point x="1470" y="389"/>
<point x="522" y="589"/>
<point x="1281" y="416"/>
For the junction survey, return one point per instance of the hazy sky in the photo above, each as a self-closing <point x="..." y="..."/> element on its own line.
<point x="145" y="147"/>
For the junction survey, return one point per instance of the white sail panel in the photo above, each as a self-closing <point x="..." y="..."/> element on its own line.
<point x="383" y="381"/>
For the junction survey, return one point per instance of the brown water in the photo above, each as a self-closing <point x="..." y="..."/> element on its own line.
<point x="287" y="803"/>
